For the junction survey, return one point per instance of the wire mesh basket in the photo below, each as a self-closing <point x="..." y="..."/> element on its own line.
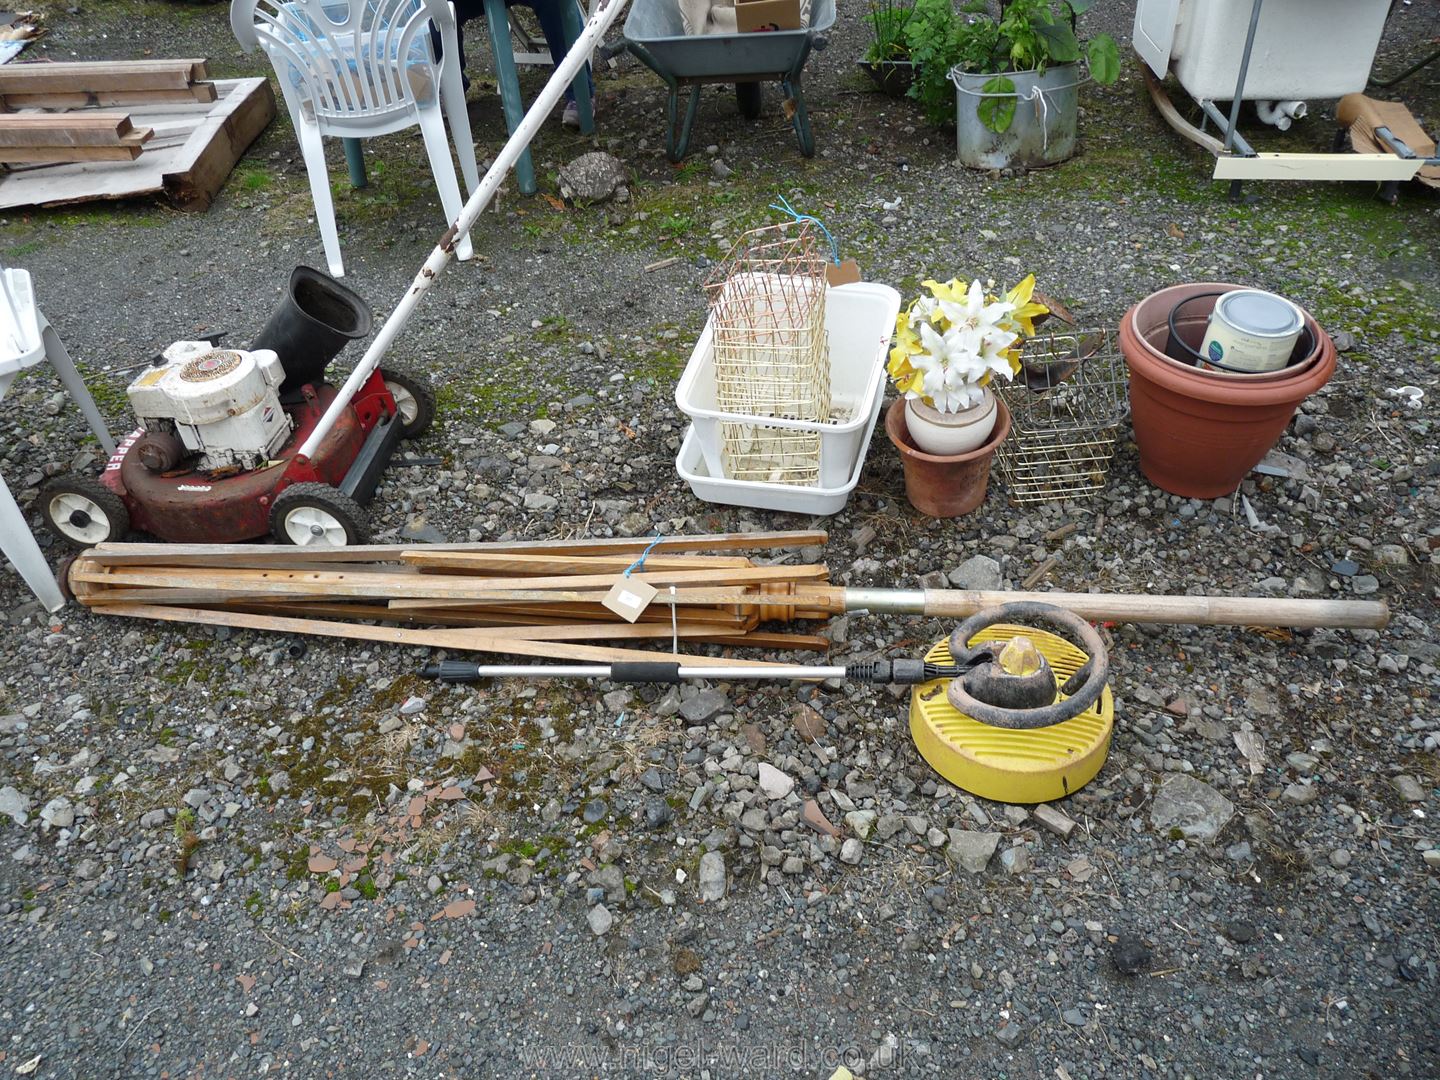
<point x="767" y="314"/>
<point x="1067" y="405"/>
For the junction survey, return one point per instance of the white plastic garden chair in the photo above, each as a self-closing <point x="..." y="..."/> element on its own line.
<point x="27" y="339"/>
<point x="354" y="69"/>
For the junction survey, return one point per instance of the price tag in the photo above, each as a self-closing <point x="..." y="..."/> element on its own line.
<point x="842" y="273"/>
<point x="628" y="597"/>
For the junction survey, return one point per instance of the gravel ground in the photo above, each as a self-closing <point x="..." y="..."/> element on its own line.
<point x="214" y="862"/>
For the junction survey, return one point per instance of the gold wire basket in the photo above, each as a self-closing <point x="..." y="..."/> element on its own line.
<point x="767" y="312"/>
<point x="1066" y="407"/>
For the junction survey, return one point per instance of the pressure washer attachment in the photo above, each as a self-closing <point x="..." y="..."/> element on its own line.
<point x="1000" y="708"/>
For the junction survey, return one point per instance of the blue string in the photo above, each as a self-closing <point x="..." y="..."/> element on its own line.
<point x="639" y="563"/>
<point x="785" y="208"/>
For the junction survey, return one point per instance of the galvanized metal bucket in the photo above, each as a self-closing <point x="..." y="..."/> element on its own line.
<point x="1043" y="131"/>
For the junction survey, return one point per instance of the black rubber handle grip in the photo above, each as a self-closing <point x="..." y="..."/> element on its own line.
<point x="452" y="671"/>
<point x="644" y="671"/>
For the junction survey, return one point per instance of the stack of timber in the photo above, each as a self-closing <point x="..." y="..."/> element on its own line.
<point x="77" y="136"/>
<point x="193" y="131"/>
<point x="528" y="598"/>
<point x="45" y="85"/>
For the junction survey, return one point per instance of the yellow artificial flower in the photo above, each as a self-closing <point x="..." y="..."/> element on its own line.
<point x="1026" y="311"/>
<point x="953" y="290"/>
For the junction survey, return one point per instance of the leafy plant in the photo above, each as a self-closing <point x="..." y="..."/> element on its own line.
<point x="888" y="21"/>
<point x="1018" y="35"/>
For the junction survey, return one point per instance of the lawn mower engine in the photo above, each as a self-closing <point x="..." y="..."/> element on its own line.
<point x="233" y="444"/>
<point x="220" y="405"/>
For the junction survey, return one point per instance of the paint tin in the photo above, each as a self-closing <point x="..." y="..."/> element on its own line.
<point x="1252" y="331"/>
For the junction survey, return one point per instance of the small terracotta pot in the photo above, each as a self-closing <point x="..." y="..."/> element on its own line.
<point x="1198" y="434"/>
<point x="949" y="486"/>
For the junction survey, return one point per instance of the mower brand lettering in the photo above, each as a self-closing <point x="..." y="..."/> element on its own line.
<point x="193" y="487"/>
<point x="118" y="458"/>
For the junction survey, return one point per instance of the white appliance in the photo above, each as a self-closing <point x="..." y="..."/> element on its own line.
<point x="1303" y="48"/>
<point x="220" y="403"/>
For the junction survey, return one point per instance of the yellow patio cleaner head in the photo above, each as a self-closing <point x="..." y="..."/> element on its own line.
<point x="1029" y="720"/>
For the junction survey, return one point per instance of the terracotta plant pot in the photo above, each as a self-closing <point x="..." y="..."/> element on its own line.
<point x="1200" y="433"/>
<point x="945" y="487"/>
<point x="1192" y="323"/>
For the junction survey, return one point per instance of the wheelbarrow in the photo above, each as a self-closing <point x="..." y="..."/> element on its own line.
<point x="656" y="37"/>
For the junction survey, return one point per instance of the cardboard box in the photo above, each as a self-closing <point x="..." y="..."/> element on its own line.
<point x="762" y="15"/>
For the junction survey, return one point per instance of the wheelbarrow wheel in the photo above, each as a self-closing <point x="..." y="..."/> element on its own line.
<point x="750" y="97"/>
<point x="414" y="401"/>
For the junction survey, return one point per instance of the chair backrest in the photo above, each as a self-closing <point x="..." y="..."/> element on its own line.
<point x="349" y="58"/>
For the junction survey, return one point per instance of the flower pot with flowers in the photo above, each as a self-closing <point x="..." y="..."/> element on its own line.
<point x="949" y="346"/>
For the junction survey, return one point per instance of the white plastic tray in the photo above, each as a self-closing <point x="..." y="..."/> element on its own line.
<point x="859" y="321"/>
<point x="820" y="501"/>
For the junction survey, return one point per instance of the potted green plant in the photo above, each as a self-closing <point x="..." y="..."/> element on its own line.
<point x="1007" y="74"/>
<point x="949" y="346"/>
<point x="887" y="60"/>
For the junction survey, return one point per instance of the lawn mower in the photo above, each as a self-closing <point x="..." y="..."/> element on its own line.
<point x="235" y="443"/>
<point x="225" y="448"/>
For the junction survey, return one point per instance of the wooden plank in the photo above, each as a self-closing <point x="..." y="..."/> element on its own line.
<point x="51" y="129"/>
<point x="67" y="154"/>
<point x="84" y="76"/>
<point x="218" y="553"/>
<point x="526" y="564"/>
<point x="158" y="169"/>
<point x="204" y="93"/>
<point x="218" y="143"/>
<point x="462" y="640"/>
<point x="683" y="597"/>
<point x="194" y="597"/>
<point x="1377" y="167"/>
<point x="761" y="639"/>
<point x="620" y="632"/>
<point x="241" y="562"/>
<point x="359" y="583"/>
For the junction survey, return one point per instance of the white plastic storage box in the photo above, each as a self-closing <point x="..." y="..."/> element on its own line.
<point x="1303" y="48"/>
<point x="787" y="498"/>
<point x="860" y="321"/>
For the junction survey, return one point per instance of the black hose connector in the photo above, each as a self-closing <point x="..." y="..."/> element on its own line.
<point x="902" y="672"/>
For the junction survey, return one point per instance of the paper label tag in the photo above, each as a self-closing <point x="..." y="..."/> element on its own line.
<point x="842" y="273"/>
<point x="628" y="597"/>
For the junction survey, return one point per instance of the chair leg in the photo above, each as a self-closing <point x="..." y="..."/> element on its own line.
<point x="437" y="145"/>
<point x="497" y="24"/>
<point x="584" y="91"/>
<point x="452" y="100"/>
<point x="74" y="385"/>
<point x="24" y="553"/>
<point x="312" y="149"/>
